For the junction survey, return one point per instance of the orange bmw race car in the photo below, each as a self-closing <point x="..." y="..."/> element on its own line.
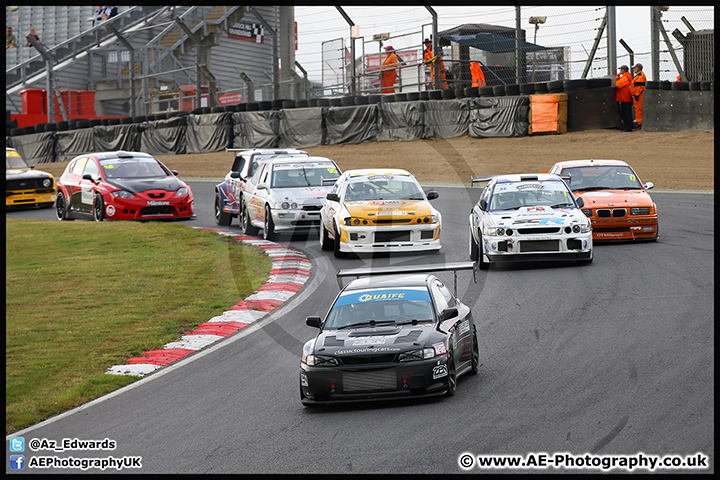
<point x="617" y="203"/>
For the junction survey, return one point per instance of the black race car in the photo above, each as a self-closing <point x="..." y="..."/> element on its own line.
<point x="400" y="335"/>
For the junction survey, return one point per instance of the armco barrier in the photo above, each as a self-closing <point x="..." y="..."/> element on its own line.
<point x="591" y="105"/>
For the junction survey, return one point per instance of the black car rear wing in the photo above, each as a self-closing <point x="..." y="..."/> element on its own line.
<point x="438" y="267"/>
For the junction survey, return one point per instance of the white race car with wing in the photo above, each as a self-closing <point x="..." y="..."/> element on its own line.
<point x="528" y="217"/>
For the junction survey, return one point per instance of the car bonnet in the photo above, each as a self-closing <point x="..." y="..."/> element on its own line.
<point x="389" y="208"/>
<point x="540" y="215"/>
<point x="615" y="198"/>
<point x="169" y="183"/>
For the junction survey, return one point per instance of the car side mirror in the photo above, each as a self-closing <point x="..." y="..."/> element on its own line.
<point x="333" y="197"/>
<point x="448" y="313"/>
<point x="580" y="202"/>
<point x="235" y="174"/>
<point x="649" y="185"/>
<point x="483" y="204"/>
<point x="313" y="321"/>
<point x="432" y="195"/>
<point x="87" y="176"/>
<point x="262" y="186"/>
<point x="174" y="172"/>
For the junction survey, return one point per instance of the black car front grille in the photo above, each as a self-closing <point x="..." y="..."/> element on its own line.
<point x="160" y="210"/>
<point x="393" y="236"/>
<point x="312" y="208"/>
<point x="614" y="213"/>
<point x="367" y="381"/>
<point x="24" y="184"/>
<point x="539" y="246"/>
<point x="368" y="359"/>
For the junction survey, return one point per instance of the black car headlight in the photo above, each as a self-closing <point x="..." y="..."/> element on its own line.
<point x="355" y="221"/>
<point x="587" y="211"/>
<point x="319" y="361"/>
<point x="640" y="211"/>
<point x="419" y="354"/>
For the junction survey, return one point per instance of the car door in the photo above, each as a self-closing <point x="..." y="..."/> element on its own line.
<point x="73" y="182"/>
<point x="330" y="207"/>
<point x="251" y="202"/>
<point x="459" y="327"/>
<point x="263" y="191"/>
<point x="88" y="186"/>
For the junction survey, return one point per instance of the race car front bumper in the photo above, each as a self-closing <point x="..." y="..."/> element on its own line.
<point x="297" y="220"/>
<point x="372" y="239"/>
<point x="373" y="382"/>
<point x="533" y="249"/>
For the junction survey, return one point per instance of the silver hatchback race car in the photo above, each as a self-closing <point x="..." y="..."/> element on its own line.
<point x="285" y="195"/>
<point x="531" y="217"/>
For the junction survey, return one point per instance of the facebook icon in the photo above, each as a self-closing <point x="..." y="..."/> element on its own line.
<point x="17" y="462"/>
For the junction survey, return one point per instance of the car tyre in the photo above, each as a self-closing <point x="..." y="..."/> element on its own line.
<point x="61" y="211"/>
<point x="475" y="365"/>
<point x="325" y="239"/>
<point x="473" y="247"/>
<point x="336" y="246"/>
<point x="269" y="228"/>
<point x="482" y="264"/>
<point x="98" y="208"/>
<point x="452" y="374"/>
<point x="248" y="228"/>
<point x="221" y="218"/>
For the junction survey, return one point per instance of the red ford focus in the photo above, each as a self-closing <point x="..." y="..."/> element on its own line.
<point x="121" y="186"/>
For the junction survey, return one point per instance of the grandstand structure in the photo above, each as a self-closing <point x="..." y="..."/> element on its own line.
<point x="147" y="59"/>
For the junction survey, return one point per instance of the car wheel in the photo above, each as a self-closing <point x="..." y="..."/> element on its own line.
<point x="473" y="247"/>
<point x="475" y="366"/>
<point x="221" y="218"/>
<point x="61" y="207"/>
<point x="325" y="239"/>
<point x="269" y="228"/>
<point x="336" y="246"/>
<point x="482" y="264"/>
<point x="98" y="208"/>
<point x="452" y="376"/>
<point x="248" y="228"/>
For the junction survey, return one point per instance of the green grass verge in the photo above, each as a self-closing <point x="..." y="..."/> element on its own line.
<point x="81" y="297"/>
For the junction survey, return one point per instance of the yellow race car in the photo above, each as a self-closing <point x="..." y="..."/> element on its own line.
<point x="379" y="210"/>
<point x="24" y="185"/>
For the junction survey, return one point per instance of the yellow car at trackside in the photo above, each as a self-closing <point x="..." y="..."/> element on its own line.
<point x="24" y="185"/>
<point x="379" y="210"/>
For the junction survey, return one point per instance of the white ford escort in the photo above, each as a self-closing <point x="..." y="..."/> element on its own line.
<point x="528" y="217"/>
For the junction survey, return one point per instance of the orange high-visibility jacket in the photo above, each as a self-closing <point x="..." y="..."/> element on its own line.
<point x="427" y="58"/>
<point x="637" y="88"/>
<point x="388" y="73"/>
<point x="622" y="84"/>
<point x="478" y="77"/>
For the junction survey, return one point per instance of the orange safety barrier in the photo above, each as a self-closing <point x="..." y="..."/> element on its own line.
<point x="548" y="113"/>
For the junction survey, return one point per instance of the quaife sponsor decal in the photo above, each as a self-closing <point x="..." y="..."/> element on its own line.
<point x="368" y="297"/>
<point x="155" y="203"/>
<point x="384" y="295"/>
<point x="439" y="371"/>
